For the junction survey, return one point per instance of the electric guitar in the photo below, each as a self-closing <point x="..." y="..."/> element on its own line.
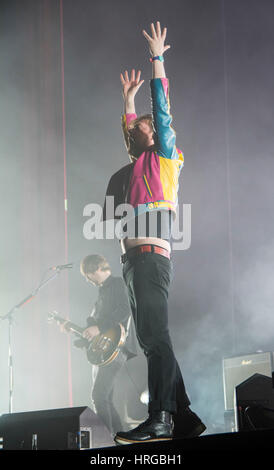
<point x="103" y="348"/>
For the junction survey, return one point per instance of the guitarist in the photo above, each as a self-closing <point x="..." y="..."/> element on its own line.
<point x="112" y="307"/>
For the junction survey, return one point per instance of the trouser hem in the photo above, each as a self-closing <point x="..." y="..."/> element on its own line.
<point x="169" y="406"/>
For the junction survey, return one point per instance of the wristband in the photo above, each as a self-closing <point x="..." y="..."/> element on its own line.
<point x="157" y="57"/>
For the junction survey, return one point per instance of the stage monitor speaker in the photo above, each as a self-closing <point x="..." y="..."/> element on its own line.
<point x="59" y="429"/>
<point x="238" y="369"/>
<point x="254" y="403"/>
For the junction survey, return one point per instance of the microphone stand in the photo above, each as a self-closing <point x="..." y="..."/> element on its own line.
<point x="9" y="316"/>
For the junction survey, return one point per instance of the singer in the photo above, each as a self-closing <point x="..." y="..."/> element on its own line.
<point x="150" y="183"/>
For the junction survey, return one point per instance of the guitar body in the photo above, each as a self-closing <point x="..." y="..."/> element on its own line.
<point x="103" y="348"/>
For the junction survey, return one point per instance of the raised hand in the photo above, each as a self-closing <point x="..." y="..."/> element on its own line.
<point x="132" y="85"/>
<point x="156" y="40"/>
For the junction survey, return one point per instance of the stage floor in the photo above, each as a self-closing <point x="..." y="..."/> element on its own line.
<point x="217" y="450"/>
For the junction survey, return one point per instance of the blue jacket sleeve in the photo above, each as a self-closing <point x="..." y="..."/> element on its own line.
<point x="165" y="138"/>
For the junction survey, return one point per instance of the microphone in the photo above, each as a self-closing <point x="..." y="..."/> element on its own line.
<point x="62" y="266"/>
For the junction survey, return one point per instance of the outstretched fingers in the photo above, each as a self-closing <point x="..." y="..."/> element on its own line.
<point x="138" y="76"/>
<point x="157" y="33"/>
<point x="133" y="77"/>
<point x="153" y="32"/>
<point x="157" y="39"/>
<point x="147" y="36"/>
<point x="122" y="79"/>
<point x="158" y="27"/>
<point x="164" y="33"/>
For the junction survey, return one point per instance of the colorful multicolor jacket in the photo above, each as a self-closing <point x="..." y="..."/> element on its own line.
<point x="151" y="182"/>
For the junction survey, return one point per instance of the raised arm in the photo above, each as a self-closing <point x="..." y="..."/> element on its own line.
<point x="165" y="137"/>
<point x="130" y="87"/>
<point x="157" y="48"/>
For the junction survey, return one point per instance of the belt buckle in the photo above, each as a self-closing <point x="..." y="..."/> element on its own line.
<point x="145" y="248"/>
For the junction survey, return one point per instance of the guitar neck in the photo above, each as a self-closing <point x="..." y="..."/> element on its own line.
<point x="69" y="325"/>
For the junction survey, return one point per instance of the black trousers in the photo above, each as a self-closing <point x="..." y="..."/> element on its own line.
<point x="147" y="277"/>
<point x="102" y="393"/>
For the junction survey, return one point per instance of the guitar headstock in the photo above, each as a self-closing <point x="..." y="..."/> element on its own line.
<point x="53" y="316"/>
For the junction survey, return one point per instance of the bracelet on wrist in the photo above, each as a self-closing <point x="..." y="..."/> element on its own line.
<point x="157" y="57"/>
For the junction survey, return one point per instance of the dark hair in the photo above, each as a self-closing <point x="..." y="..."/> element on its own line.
<point x="132" y="147"/>
<point x="91" y="263"/>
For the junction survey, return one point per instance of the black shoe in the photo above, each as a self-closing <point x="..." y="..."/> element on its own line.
<point x="187" y="425"/>
<point x="157" y="427"/>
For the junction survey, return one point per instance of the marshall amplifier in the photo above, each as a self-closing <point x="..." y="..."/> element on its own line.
<point x="238" y="369"/>
<point x="60" y="429"/>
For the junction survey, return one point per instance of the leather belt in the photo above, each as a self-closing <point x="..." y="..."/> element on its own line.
<point x="137" y="250"/>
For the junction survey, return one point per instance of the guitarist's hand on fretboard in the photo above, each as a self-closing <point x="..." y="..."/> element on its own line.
<point x="63" y="328"/>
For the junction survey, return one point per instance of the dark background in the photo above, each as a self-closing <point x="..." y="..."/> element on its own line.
<point x="60" y="114"/>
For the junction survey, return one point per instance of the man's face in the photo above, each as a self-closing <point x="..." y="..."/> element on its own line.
<point x="143" y="135"/>
<point x="96" y="278"/>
